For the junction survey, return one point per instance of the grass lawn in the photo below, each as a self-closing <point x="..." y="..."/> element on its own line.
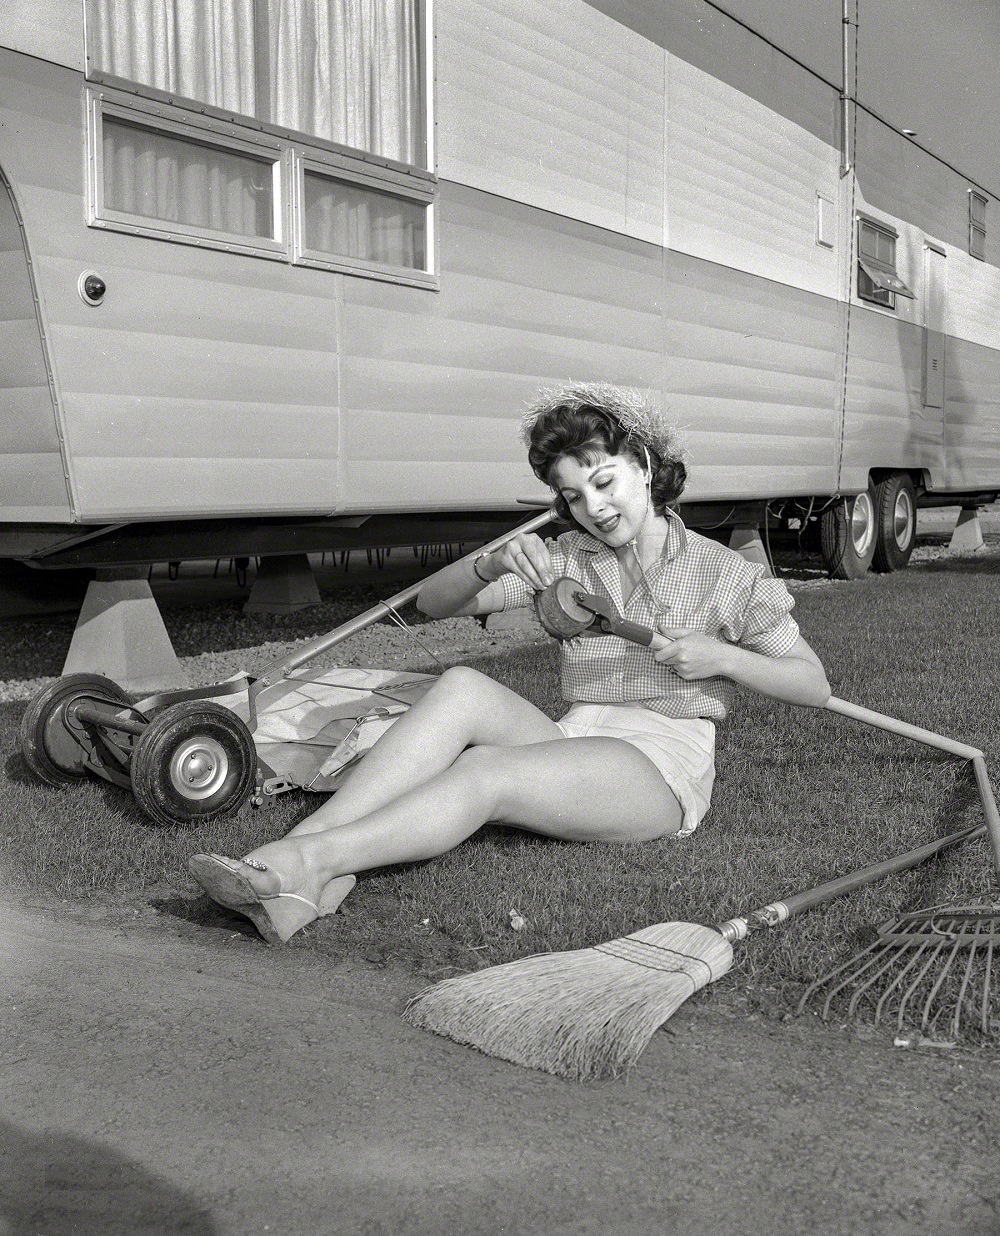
<point x="801" y="796"/>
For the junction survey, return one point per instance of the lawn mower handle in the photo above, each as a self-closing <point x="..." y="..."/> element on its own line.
<point x="279" y="669"/>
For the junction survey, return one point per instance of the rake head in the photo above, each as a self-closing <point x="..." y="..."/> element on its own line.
<point x="930" y="971"/>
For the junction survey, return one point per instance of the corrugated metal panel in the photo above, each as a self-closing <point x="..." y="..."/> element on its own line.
<point x="742" y="183"/>
<point x="555" y="105"/>
<point x="972" y="422"/>
<point x="32" y="483"/>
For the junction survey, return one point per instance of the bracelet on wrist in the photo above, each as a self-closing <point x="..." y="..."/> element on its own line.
<point x="475" y="566"/>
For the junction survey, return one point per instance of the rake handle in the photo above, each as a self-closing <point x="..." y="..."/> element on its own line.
<point x="777" y="912"/>
<point x="930" y="739"/>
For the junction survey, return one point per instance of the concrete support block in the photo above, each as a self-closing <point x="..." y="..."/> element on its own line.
<point x="121" y="635"/>
<point x="745" y="539"/>
<point x="968" y="533"/>
<point x="284" y="583"/>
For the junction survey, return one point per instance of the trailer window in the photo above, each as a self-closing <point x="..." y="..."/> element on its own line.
<point x="349" y="72"/>
<point x="207" y="115"/>
<point x="160" y="176"/>
<point x="878" y="280"/>
<point x="977" y="225"/>
<point x="358" y="222"/>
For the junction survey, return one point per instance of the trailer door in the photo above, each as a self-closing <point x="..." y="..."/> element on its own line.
<point x="935" y="282"/>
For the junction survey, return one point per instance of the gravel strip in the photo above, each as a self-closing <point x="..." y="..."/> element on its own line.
<point x="232" y="642"/>
<point x="426" y="648"/>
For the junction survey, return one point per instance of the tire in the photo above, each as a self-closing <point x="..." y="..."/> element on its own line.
<point x="193" y="762"/>
<point x="49" y="746"/>
<point x="895" y="522"/>
<point x="848" y="536"/>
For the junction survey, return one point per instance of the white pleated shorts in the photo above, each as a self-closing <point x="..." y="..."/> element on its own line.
<point x="683" y="750"/>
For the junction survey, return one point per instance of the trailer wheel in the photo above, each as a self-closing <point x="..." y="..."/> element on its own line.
<point x="848" y="535"/>
<point x="49" y="746"/>
<point x="896" y="522"/>
<point x="193" y="762"/>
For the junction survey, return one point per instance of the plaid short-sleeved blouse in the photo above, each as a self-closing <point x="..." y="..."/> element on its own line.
<point x="696" y="583"/>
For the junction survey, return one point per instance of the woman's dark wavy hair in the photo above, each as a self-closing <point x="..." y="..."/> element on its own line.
<point x="595" y="420"/>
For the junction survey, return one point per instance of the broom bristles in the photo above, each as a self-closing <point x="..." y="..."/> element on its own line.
<point x="583" y="1014"/>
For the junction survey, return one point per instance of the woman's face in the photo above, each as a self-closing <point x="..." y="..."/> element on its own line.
<point x="606" y="494"/>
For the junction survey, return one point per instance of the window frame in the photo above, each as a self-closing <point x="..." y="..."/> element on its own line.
<point x="290" y="151"/>
<point x="977" y="227"/>
<point x="884" y="276"/>
<point x="357" y="172"/>
<point x="203" y="131"/>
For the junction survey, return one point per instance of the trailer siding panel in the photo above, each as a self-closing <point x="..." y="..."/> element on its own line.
<point x="32" y="480"/>
<point x="723" y="48"/>
<point x="49" y="29"/>
<point x="530" y="298"/>
<point x="972" y="427"/>
<point x="742" y="184"/>
<point x="554" y="105"/>
<point x="751" y="372"/>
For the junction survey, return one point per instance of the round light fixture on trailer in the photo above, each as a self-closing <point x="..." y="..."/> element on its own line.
<point x="92" y="287"/>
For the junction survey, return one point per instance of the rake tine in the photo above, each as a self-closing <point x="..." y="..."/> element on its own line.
<point x="816" y="984"/>
<point x="892" y="957"/>
<point x="900" y="978"/>
<point x="960" y="1001"/>
<point x="908" y="994"/>
<point x="925" y="1021"/>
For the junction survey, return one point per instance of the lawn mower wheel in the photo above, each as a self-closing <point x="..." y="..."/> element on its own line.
<point x="54" y="743"/>
<point x="194" y="761"/>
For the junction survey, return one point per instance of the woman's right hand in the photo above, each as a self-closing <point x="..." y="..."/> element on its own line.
<point x="525" y="555"/>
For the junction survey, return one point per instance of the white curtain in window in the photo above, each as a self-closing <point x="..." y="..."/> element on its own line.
<point x="357" y="222"/>
<point x="160" y="177"/>
<point x="349" y="71"/>
<point x="199" y="49"/>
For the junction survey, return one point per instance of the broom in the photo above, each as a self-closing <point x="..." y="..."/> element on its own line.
<point x="589" y="1013"/>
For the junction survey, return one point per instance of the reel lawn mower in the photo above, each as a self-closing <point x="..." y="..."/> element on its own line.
<point x="191" y="755"/>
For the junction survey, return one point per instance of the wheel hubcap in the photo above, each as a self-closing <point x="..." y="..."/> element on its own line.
<point x="902" y="519"/>
<point x="199" y="767"/>
<point x="862" y="524"/>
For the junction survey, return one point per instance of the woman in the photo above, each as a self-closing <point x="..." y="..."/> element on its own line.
<point x="634" y="756"/>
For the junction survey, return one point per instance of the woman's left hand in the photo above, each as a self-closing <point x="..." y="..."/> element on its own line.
<point x="689" y="653"/>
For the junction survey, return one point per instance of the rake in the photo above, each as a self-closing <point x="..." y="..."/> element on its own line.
<point x="928" y="970"/>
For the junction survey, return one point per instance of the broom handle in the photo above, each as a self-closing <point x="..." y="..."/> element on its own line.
<point x="279" y="669"/>
<point x="903" y="728"/>
<point x="780" y="911"/>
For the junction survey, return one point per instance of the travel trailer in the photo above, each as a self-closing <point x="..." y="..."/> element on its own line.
<point x="281" y="276"/>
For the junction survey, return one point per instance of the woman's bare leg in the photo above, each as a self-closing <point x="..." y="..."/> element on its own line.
<point x="464" y="708"/>
<point x="582" y="789"/>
